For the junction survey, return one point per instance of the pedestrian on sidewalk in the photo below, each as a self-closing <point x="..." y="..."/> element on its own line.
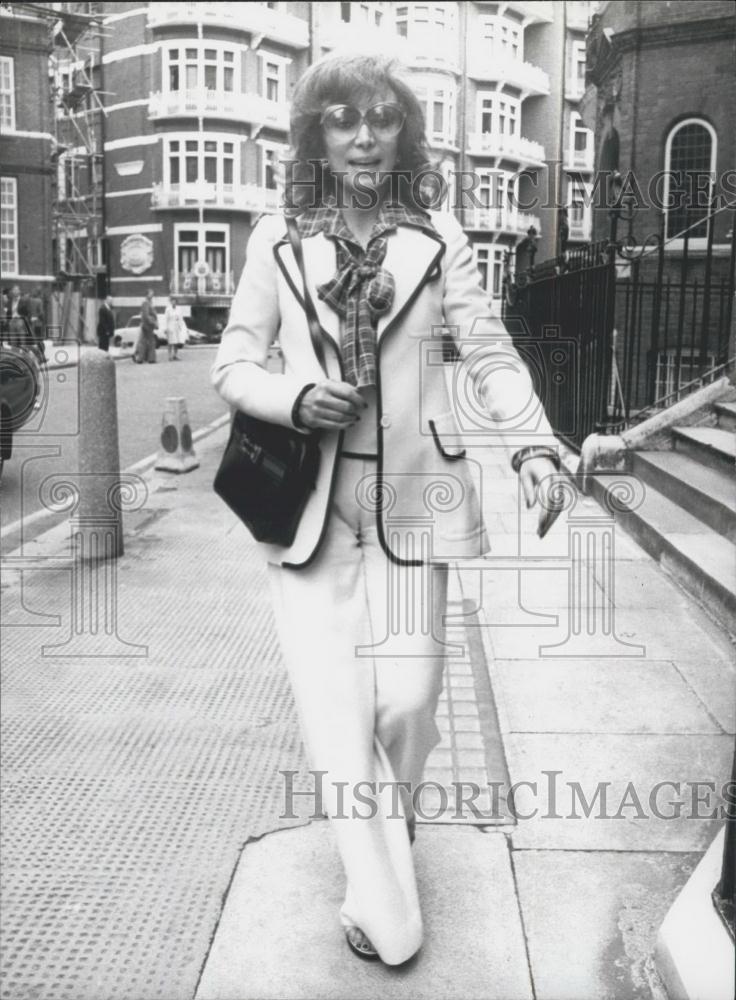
<point x="384" y="274"/>
<point x="105" y="324"/>
<point x="19" y="316"/>
<point x="37" y="310"/>
<point x="174" y="324"/>
<point x="145" y="348"/>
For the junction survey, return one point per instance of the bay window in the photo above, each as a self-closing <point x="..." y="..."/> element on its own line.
<point x="426" y="26"/>
<point x="503" y="37"/>
<point x="489" y="259"/>
<point x="273" y="76"/>
<point x="437" y="100"/>
<point x="499" y="114"/>
<point x="201" y="160"/>
<point x="196" y="67"/>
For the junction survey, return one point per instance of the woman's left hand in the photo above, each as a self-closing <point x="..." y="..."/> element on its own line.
<point x="536" y="472"/>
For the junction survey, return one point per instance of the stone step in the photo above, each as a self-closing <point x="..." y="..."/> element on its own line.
<point x="707" y="493"/>
<point x="726" y="413"/>
<point x="703" y="561"/>
<point x="712" y="446"/>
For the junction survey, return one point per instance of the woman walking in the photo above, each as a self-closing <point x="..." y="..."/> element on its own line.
<point x="174" y="324"/>
<point x="359" y="596"/>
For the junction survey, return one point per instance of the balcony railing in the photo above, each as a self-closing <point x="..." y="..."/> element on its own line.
<point x="487" y="64"/>
<point x="212" y="285"/>
<point x="200" y="102"/>
<point x="579" y="159"/>
<point x="255" y="18"/>
<point x="500" y="220"/>
<point x="235" y="197"/>
<point x="510" y="146"/>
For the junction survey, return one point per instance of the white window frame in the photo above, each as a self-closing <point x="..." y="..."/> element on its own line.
<point x="494" y="99"/>
<point x="364" y="14"/>
<point x="7" y="94"/>
<point x="579" y="194"/>
<point x="492" y="256"/>
<point x="664" y="377"/>
<point x="431" y="31"/>
<point x="200" y="138"/>
<point x="266" y="146"/>
<point x="578" y="128"/>
<point x="579" y="58"/>
<point x="495" y="30"/>
<point x="698" y="241"/>
<point x="220" y="48"/>
<point x="431" y="91"/>
<point x="9" y="262"/>
<point x="201" y="229"/>
<point x="281" y="62"/>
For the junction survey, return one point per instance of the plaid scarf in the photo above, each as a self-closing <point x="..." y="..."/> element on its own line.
<point x="361" y="289"/>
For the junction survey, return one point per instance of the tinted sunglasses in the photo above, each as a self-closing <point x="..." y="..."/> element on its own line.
<point x="343" y="120"/>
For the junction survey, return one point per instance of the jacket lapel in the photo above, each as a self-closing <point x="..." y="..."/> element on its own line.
<point x="320" y="264"/>
<point x="411" y="255"/>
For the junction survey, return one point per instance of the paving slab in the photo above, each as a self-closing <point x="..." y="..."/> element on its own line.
<point x="714" y="681"/>
<point x="591" y="920"/>
<point x="280" y="937"/>
<point x="134" y="771"/>
<point x="630" y="767"/>
<point x="674" y="631"/>
<point x="598" y="696"/>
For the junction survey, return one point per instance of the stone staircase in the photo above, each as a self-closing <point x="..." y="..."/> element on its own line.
<point x="687" y="520"/>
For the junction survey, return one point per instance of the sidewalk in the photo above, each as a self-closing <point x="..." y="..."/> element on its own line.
<point x="137" y="786"/>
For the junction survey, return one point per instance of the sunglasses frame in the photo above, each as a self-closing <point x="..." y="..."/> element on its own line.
<point x="362" y="119"/>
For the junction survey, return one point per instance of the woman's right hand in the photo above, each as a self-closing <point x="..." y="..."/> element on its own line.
<point x="331" y="406"/>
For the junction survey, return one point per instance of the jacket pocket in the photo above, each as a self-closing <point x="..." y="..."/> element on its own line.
<point x="447" y="437"/>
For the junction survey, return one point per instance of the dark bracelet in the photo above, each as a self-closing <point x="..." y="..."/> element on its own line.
<point x="295" y="418"/>
<point x="535" y="451"/>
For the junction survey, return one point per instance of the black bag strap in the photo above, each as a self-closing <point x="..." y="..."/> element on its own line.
<point x="315" y="329"/>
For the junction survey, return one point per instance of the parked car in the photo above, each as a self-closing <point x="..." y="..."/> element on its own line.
<point x="126" y="337"/>
<point x="195" y="336"/>
<point x="20" y="391"/>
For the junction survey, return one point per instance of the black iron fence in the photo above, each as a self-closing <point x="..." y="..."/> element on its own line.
<point x="568" y="301"/>
<point x="644" y="323"/>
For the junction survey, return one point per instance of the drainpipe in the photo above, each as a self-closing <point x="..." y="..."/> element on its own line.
<point x="560" y="137"/>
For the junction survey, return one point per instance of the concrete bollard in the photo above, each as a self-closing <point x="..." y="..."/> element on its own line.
<point x="99" y="455"/>
<point x="177" y="453"/>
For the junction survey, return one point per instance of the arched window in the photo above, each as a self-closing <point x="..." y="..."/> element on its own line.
<point x="690" y="165"/>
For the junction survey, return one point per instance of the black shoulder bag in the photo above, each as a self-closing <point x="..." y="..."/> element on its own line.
<point x="268" y="471"/>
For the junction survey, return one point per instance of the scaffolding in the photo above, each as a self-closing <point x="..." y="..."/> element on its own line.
<point x="78" y="205"/>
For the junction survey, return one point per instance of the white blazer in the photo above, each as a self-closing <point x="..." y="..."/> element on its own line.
<point x="426" y="488"/>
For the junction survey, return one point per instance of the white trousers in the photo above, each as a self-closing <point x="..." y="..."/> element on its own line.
<point x="362" y="641"/>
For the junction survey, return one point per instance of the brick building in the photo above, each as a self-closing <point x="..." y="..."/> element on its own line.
<point x="196" y="102"/>
<point x="171" y="178"/>
<point x="661" y="79"/>
<point x="500" y="84"/>
<point x="26" y="127"/>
